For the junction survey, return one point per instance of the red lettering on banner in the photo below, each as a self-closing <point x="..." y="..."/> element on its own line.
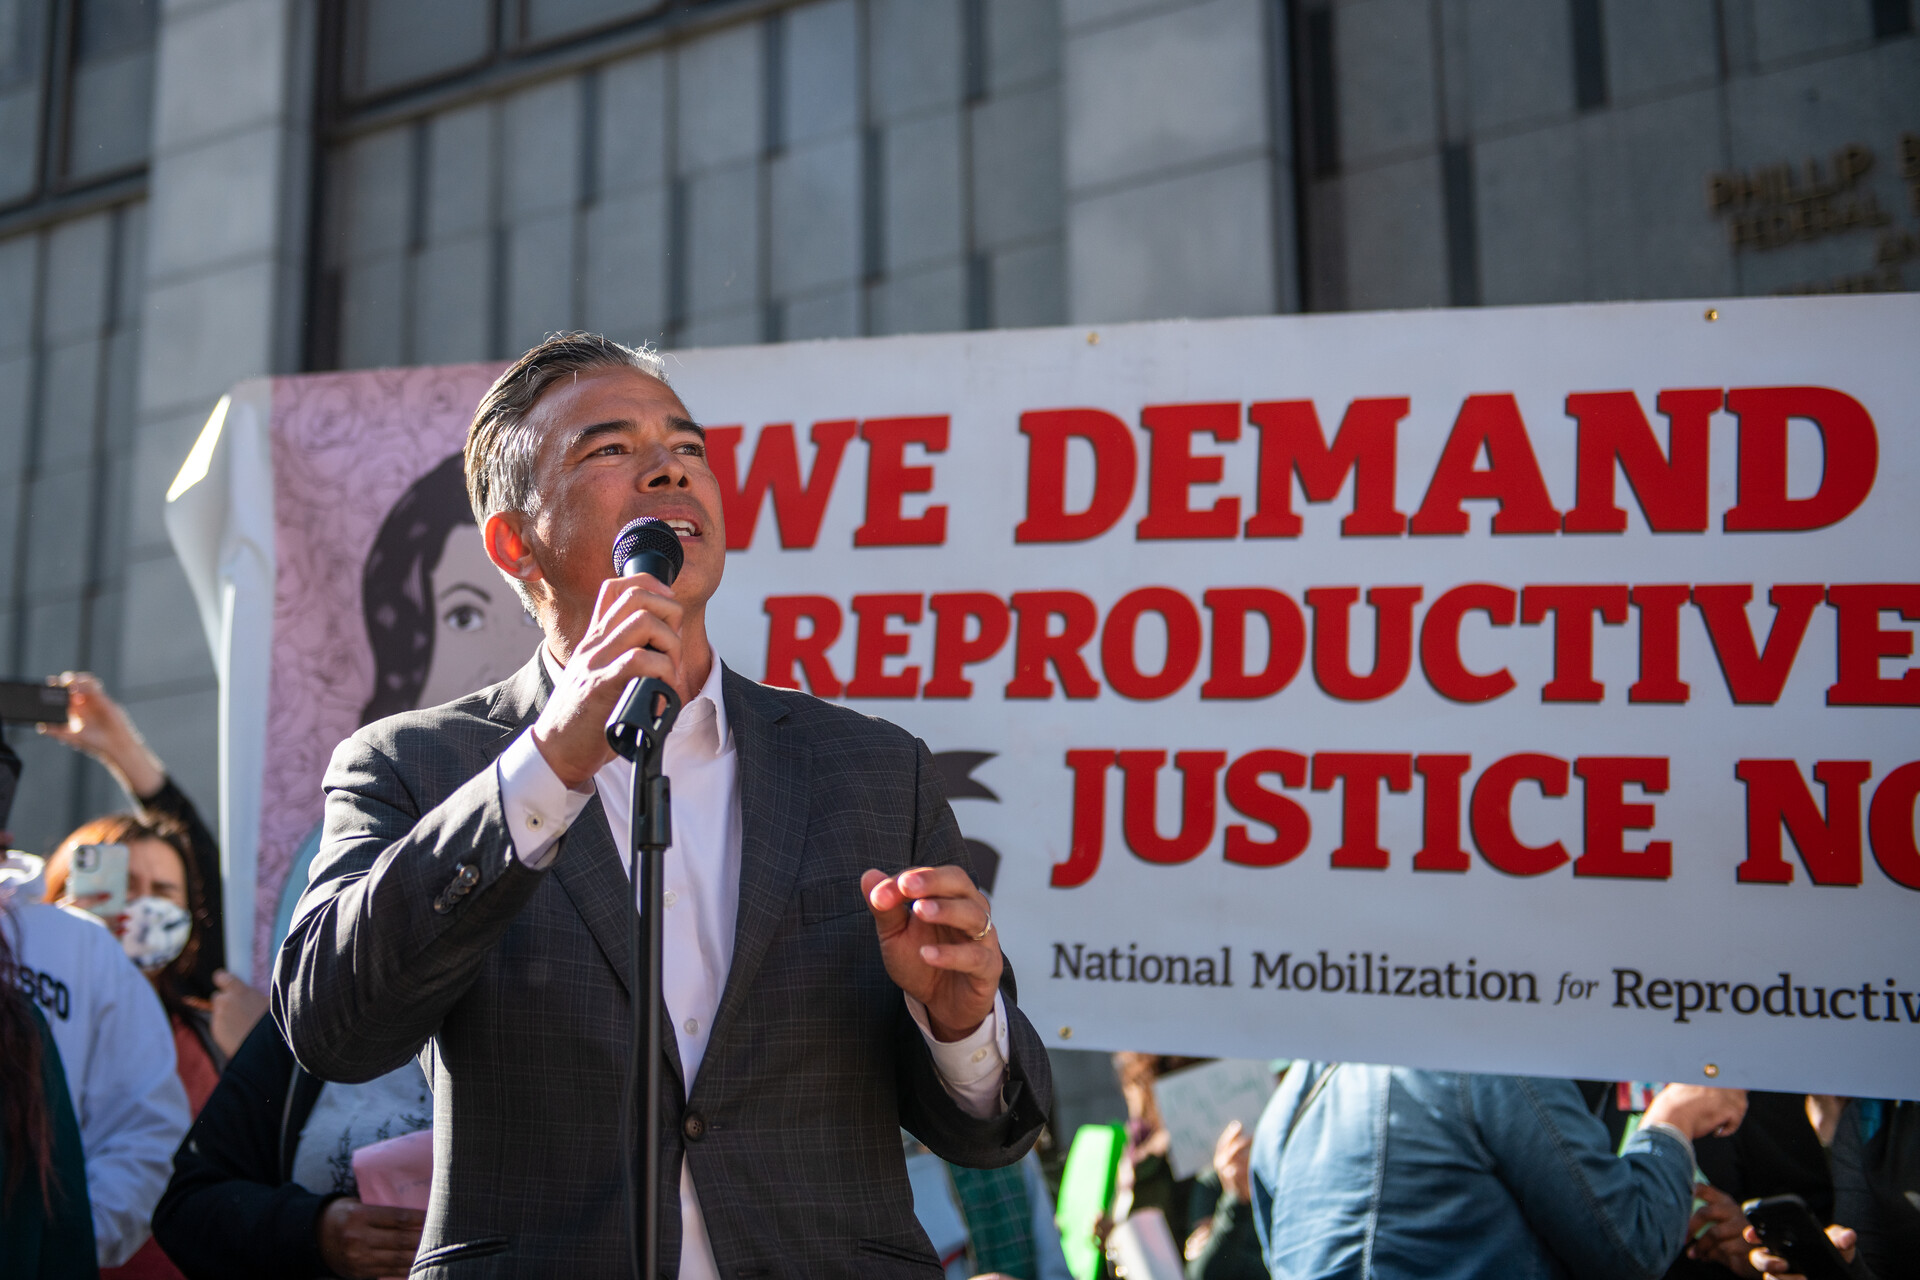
<point x="1756" y="676"/>
<point x="1850" y="453"/>
<point x="1440" y="778"/>
<point x="1173" y="470"/>
<point x="1671" y="485"/>
<point x="1777" y="797"/>
<point x="1392" y="640"/>
<point x="1659" y="606"/>
<point x="874" y="644"/>
<point x="1286" y="642"/>
<point x="1890" y="825"/>
<point x="953" y="652"/>
<point x="1573" y="609"/>
<point x="797" y="508"/>
<point x="1609" y="817"/>
<point x="786" y="646"/>
<point x="1863" y="644"/>
<point x="1035" y="646"/>
<point x="1140" y="771"/>
<point x="1117" y="643"/>
<point x="1292" y="443"/>
<point x="1362" y="772"/>
<point x="1114" y="469"/>
<point x="1089" y="818"/>
<point x="1491" y="813"/>
<point x="890" y="479"/>
<point x="1511" y="478"/>
<point x="1440" y="642"/>
<point x="1292" y="828"/>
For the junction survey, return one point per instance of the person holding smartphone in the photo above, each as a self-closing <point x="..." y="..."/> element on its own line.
<point x="101" y="728"/>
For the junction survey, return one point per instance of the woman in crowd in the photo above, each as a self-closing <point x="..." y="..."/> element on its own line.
<point x="173" y="920"/>
<point x="173" y="879"/>
<point x="158" y="930"/>
<point x="1210" y="1214"/>
<point x="264" y="1184"/>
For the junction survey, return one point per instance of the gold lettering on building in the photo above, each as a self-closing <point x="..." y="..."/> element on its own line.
<point x="1775" y="205"/>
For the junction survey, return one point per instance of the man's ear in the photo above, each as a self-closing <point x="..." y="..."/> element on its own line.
<point x="508" y="549"/>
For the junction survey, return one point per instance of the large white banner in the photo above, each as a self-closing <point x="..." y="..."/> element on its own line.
<point x="1520" y="690"/>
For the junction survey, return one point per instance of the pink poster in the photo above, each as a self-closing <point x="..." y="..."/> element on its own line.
<point x="383" y="600"/>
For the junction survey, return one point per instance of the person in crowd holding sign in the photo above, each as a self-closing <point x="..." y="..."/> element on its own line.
<point x="832" y="972"/>
<point x="1389" y="1172"/>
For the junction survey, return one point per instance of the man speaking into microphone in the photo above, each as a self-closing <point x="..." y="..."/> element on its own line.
<point x="831" y="972"/>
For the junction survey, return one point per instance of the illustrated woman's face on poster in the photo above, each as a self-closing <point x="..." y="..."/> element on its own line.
<point x="441" y="621"/>
<point x="480" y="633"/>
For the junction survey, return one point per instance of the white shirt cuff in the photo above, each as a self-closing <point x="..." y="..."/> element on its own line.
<point x="971" y="1070"/>
<point x="538" y="806"/>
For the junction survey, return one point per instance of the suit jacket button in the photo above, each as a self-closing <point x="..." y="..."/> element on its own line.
<point x="694" y="1126"/>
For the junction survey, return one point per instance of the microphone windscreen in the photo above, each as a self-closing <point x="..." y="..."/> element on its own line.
<point x="645" y="536"/>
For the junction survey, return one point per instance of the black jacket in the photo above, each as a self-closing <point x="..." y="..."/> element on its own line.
<point x="232" y="1208"/>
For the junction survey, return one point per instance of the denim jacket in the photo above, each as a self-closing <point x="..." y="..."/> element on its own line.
<point x="1436" y="1175"/>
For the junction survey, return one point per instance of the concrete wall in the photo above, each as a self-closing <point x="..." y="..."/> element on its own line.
<point x="1564" y="201"/>
<point x="836" y="168"/>
<point x="1179" y="200"/>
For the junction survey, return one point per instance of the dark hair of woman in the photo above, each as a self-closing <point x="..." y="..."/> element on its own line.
<point x="23" y="1103"/>
<point x="125" y="828"/>
<point x="396" y="587"/>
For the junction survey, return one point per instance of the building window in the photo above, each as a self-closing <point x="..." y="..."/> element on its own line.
<point x="109" y="88"/>
<point x="390" y="46"/>
<point x="76" y="94"/>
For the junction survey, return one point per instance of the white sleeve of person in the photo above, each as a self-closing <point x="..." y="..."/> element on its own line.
<point x="117" y="1048"/>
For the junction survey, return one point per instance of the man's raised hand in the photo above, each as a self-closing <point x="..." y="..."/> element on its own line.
<point x="938" y="944"/>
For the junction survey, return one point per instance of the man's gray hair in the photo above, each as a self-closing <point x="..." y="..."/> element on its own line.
<point x="500" y="448"/>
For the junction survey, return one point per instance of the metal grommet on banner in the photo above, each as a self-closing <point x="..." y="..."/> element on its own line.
<point x="1066" y="1033"/>
<point x="1713" y="313"/>
<point x="1093" y="338"/>
<point x="1712" y="1070"/>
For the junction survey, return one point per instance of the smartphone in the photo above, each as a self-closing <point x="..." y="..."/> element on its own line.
<point x="32" y="700"/>
<point x="1789" y="1229"/>
<point x="98" y="869"/>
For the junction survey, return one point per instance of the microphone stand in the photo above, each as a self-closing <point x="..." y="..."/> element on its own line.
<point x="638" y="732"/>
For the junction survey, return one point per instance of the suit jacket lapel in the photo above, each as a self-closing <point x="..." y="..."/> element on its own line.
<point x="773" y="780"/>
<point x="588" y="868"/>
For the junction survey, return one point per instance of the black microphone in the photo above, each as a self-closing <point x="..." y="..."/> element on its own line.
<point x="647" y="545"/>
<point x="647" y="709"/>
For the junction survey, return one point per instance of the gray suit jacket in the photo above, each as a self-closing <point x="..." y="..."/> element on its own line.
<point x="516" y="989"/>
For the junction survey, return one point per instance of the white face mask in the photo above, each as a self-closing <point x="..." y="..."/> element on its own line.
<point x="156" y="931"/>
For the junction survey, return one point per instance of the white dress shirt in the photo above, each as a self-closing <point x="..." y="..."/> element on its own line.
<point x="701" y="879"/>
